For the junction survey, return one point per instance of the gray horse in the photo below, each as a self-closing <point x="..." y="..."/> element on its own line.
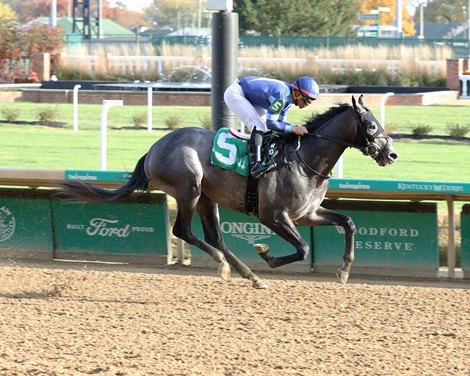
<point x="180" y="165"/>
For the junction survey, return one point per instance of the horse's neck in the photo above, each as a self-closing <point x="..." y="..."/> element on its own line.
<point x="322" y="154"/>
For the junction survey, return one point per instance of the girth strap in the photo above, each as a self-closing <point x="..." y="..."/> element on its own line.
<point x="251" y="196"/>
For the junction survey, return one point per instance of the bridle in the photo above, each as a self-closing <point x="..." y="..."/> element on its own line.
<point x="370" y="133"/>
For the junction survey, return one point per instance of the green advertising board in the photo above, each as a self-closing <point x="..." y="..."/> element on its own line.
<point x="465" y="239"/>
<point x="137" y="227"/>
<point x="97" y="176"/>
<point x="399" y="237"/>
<point x="25" y="225"/>
<point x="240" y="233"/>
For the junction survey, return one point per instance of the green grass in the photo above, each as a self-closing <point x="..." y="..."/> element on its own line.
<point x="31" y="146"/>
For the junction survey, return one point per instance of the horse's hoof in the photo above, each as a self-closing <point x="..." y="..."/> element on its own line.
<point x="261" y="249"/>
<point x="224" y="270"/>
<point x="259" y="284"/>
<point x="342" y="276"/>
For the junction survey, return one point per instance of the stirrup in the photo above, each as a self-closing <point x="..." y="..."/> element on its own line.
<point x="259" y="169"/>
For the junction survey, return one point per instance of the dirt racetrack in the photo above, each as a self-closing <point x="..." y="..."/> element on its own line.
<point x="90" y="319"/>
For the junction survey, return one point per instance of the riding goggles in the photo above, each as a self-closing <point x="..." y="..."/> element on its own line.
<point x="307" y="100"/>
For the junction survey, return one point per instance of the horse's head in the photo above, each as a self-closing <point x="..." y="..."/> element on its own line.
<point x="372" y="138"/>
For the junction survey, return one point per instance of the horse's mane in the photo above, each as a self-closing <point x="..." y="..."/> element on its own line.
<point x="318" y="119"/>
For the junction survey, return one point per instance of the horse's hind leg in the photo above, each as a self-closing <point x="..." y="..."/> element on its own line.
<point x="209" y="215"/>
<point x="182" y="229"/>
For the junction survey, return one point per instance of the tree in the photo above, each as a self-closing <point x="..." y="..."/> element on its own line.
<point x="297" y="17"/>
<point x="445" y="11"/>
<point x="127" y="18"/>
<point x="28" y="10"/>
<point x="177" y="14"/>
<point x="387" y="18"/>
<point x="6" y="13"/>
<point x="20" y="42"/>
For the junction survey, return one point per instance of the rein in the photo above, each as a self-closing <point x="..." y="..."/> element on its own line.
<point x="318" y="136"/>
<point x="311" y="169"/>
<point x="366" y="150"/>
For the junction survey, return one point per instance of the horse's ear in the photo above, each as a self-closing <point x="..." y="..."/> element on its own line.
<point x="359" y="106"/>
<point x="361" y="100"/>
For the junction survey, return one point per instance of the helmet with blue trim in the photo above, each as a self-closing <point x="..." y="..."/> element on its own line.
<point x="307" y="87"/>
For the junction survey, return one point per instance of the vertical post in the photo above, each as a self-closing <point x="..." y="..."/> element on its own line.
<point x="224" y="64"/>
<point x="450" y="237"/>
<point x="107" y="104"/>
<point x="53" y="20"/>
<point x="382" y="107"/>
<point x="399" y="7"/>
<point x="75" y="107"/>
<point x="468" y="13"/>
<point x="149" y="109"/>
<point x="339" y="167"/>
<point x="421" y="20"/>
<point x="100" y="16"/>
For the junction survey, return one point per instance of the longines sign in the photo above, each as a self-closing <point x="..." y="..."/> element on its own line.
<point x="241" y="232"/>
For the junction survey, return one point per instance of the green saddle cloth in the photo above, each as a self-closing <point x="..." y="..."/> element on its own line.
<point x="230" y="152"/>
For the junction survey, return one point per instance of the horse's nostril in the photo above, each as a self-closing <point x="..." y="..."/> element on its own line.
<point x="393" y="156"/>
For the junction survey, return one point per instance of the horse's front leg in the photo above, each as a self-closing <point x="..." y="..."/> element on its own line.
<point x="325" y="217"/>
<point x="283" y="226"/>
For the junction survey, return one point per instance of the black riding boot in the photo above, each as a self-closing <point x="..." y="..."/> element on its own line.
<point x="255" y="143"/>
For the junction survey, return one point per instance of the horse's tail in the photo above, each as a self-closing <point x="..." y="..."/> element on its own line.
<point x="79" y="191"/>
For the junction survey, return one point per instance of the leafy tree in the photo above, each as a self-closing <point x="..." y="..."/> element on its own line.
<point x="387" y="18"/>
<point x="444" y="10"/>
<point x="297" y="17"/>
<point x="19" y="42"/>
<point x="127" y="18"/>
<point x="28" y="10"/>
<point x="6" y="13"/>
<point x="177" y="14"/>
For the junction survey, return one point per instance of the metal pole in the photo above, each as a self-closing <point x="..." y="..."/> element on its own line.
<point x="339" y="167"/>
<point x="149" y="109"/>
<point x="382" y="107"/>
<point x="100" y="19"/>
<point x="107" y="104"/>
<point x="199" y="14"/>
<point x="224" y="65"/>
<point x="75" y="107"/>
<point x="421" y="20"/>
<point x="53" y="20"/>
<point x="399" y="5"/>
<point x="450" y="237"/>
<point x="468" y="13"/>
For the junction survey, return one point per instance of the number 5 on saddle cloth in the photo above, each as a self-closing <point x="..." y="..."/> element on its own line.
<point x="230" y="150"/>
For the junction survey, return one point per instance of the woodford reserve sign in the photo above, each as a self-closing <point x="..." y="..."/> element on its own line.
<point x="401" y="237"/>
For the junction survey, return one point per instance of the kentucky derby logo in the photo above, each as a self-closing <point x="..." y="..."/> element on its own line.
<point x="7" y="224"/>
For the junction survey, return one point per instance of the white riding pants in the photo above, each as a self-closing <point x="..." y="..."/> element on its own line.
<point x="251" y="116"/>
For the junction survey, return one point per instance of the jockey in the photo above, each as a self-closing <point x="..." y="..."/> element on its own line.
<point x="262" y="104"/>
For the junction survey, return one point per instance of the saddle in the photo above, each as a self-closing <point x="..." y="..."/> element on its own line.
<point x="274" y="144"/>
<point x="230" y="151"/>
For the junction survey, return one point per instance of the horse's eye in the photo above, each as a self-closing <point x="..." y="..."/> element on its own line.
<point x="372" y="128"/>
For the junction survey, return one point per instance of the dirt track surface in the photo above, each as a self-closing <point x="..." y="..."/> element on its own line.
<point x="62" y="319"/>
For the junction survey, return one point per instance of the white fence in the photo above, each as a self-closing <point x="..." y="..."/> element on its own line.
<point x="164" y="64"/>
